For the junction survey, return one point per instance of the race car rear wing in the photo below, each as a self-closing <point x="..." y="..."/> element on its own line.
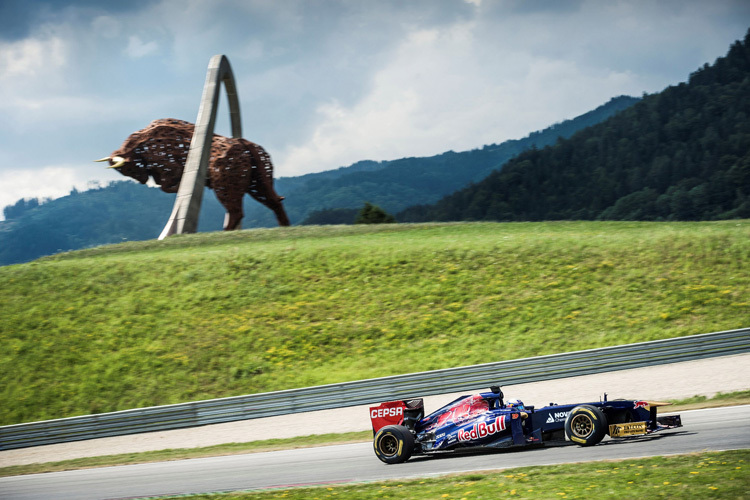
<point x="405" y="412"/>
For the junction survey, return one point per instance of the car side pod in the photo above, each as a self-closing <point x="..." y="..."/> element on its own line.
<point x="516" y="418"/>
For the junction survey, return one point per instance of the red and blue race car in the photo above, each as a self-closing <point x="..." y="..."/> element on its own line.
<point x="485" y="421"/>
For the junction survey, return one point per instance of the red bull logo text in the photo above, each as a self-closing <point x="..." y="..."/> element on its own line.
<point x="482" y="429"/>
<point x="640" y="404"/>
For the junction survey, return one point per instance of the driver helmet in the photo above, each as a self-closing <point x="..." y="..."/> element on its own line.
<point x="516" y="404"/>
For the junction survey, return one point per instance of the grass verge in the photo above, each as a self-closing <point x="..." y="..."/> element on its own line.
<point x="696" y="402"/>
<point x="720" y="399"/>
<point x="696" y="476"/>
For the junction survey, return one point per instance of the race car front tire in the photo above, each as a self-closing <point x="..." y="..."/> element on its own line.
<point x="393" y="444"/>
<point x="586" y="425"/>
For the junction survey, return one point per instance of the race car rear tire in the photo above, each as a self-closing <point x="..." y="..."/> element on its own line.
<point x="586" y="425"/>
<point x="393" y="444"/>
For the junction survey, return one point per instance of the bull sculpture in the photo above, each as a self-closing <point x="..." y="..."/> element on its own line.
<point x="236" y="166"/>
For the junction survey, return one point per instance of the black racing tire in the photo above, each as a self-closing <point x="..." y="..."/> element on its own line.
<point x="393" y="444"/>
<point x="586" y="425"/>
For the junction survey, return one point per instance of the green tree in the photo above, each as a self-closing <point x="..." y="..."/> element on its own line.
<point x="331" y="216"/>
<point x="21" y="206"/>
<point x="373" y="214"/>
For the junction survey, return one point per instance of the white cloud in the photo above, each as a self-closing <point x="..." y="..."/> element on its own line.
<point x="408" y="103"/>
<point x="106" y="26"/>
<point x="372" y="129"/>
<point x="444" y="89"/>
<point x="137" y="48"/>
<point x="31" y="57"/>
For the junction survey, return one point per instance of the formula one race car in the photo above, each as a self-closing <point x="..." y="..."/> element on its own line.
<point x="484" y="421"/>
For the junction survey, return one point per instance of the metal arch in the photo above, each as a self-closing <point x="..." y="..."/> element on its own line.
<point x="187" y="205"/>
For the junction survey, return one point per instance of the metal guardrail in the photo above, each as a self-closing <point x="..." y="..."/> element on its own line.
<point x="370" y="391"/>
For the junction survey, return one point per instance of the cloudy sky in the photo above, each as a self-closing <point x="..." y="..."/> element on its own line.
<point x="325" y="83"/>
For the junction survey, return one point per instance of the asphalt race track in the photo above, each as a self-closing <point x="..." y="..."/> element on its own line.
<point x="710" y="429"/>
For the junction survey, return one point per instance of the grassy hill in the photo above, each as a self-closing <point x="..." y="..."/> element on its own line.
<point x="221" y="314"/>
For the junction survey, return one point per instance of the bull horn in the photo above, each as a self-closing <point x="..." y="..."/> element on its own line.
<point x="119" y="162"/>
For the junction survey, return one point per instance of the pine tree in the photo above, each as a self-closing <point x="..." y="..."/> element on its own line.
<point x="373" y="214"/>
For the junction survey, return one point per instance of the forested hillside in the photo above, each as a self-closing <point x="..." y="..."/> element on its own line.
<point x="120" y="211"/>
<point x="126" y="211"/>
<point x="682" y="154"/>
<point x="398" y="184"/>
